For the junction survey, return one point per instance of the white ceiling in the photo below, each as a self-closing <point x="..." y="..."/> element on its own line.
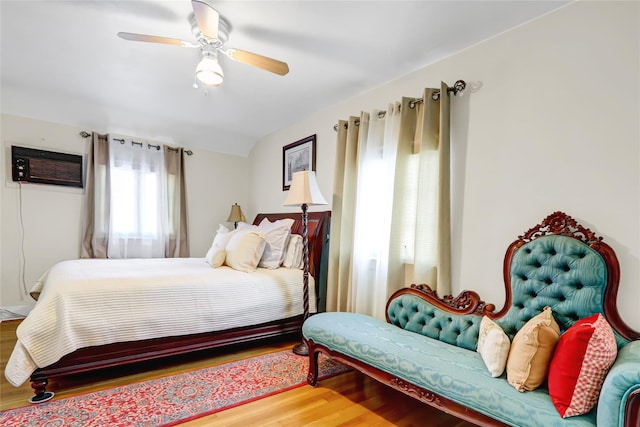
<point x="62" y="61"/>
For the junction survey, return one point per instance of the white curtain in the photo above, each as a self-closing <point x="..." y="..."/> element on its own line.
<point x="138" y="210"/>
<point x="374" y="199"/>
<point x="390" y="221"/>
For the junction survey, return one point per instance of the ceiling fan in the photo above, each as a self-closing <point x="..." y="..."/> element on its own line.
<point x="212" y="32"/>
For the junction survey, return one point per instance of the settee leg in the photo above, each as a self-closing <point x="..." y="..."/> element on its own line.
<point x="312" y="376"/>
<point x="39" y="388"/>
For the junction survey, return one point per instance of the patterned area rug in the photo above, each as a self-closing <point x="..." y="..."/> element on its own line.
<point x="177" y="398"/>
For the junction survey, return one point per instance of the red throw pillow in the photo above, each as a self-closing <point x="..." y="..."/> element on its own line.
<point x="581" y="360"/>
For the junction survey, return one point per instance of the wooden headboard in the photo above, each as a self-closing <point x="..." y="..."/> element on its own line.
<point x="318" y="226"/>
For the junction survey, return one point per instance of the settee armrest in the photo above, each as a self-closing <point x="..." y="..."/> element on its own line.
<point x="619" y="401"/>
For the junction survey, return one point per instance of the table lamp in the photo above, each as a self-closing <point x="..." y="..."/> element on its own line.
<point x="236" y="215"/>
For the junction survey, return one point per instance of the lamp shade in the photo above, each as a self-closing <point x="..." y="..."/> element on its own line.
<point x="236" y="214"/>
<point x="209" y="72"/>
<point x="304" y="190"/>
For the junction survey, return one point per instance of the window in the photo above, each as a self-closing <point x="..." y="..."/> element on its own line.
<point x="137" y="201"/>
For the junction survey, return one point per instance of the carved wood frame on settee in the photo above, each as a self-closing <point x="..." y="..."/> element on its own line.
<point x="86" y="360"/>
<point x="469" y="302"/>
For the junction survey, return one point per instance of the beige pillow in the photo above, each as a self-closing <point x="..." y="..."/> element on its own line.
<point x="531" y="351"/>
<point x="244" y="250"/>
<point x="216" y="256"/>
<point x="493" y="346"/>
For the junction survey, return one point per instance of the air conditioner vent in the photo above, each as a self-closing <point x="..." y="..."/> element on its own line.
<point x="46" y="167"/>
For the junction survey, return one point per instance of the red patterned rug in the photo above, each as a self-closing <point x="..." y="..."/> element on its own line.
<point x="177" y="398"/>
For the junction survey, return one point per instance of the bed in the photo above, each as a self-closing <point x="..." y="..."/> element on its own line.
<point x="139" y="310"/>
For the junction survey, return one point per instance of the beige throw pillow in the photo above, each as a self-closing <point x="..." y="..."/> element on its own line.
<point x="493" y="346"/>
<point x="244" y="250"/>
<point x="531" y="351"/>
<point x="216" y="256"/>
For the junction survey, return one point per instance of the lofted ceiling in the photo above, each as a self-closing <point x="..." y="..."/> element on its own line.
<point x="61" y="61"/>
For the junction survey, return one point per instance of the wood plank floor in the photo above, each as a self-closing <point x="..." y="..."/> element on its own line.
<point x="351" y="399"/>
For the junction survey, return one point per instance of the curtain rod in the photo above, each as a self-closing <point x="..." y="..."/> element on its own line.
<point x="149" y="146"/>
<point x="458" y="86"/>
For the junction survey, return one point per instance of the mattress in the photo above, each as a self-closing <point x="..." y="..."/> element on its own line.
<point x="91" y="302"/>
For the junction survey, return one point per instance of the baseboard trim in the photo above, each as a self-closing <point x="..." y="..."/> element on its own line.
<point x="15" y="312"/>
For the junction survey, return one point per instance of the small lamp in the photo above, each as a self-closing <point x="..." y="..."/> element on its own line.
<point x="236" y="215"/>
<point x="303" y="192"/>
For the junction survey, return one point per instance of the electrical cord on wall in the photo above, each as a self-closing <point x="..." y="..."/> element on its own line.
<point x="4" y="313"/>
<point x="24" y="260"/>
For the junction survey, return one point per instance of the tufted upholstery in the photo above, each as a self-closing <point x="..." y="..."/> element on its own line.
<point x="556" y="271"/>
<point x="416" y="315"/>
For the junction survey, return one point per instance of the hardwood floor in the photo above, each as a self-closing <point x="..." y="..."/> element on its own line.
<point x="351" y="399"/>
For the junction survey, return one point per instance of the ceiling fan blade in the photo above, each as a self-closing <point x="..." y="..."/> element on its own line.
<point x="207" y="19"/>
<point x="155" y="39"/>
<point x="263" y="62"/>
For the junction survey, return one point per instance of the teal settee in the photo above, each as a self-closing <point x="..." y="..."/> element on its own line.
<point x="426" y="348"/>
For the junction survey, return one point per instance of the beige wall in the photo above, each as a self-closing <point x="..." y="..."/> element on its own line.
<point x="553" y="124"/>
<point x="52" y="215"/>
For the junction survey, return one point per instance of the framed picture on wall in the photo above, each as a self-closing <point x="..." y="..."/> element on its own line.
<point x="298" y="156"/>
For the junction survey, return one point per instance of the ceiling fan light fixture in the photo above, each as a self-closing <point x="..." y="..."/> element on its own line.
<point x="209" y="72"/>
<point x="211" y="30"/>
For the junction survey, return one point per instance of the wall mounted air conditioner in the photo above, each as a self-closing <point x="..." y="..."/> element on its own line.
<point x="46" y="167"/>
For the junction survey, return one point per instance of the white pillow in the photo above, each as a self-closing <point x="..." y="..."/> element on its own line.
<point x="217" y="253"/>
<point x="244" y="250"/>
<point x="277" y="237"/>
<point x="243" y="226"/>
<point x="267" y="225"/>
<point x="493" y="346"/>
<point x="293" y="255"/>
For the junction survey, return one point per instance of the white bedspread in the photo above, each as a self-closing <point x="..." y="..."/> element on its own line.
<point x="94" y="302"/>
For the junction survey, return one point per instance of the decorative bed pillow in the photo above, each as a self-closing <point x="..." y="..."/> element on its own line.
<point x="244" y="250"/>
<point x="267" y="225"/>
<point x="217" y="253"/>
<point x="531" y="351"/>
<point x="277" y="236"/>
<point x="580" y="363"/>
<point x="293" y="254"/>
<point x="216" y="256"/>
<point x="493" y="346"/>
